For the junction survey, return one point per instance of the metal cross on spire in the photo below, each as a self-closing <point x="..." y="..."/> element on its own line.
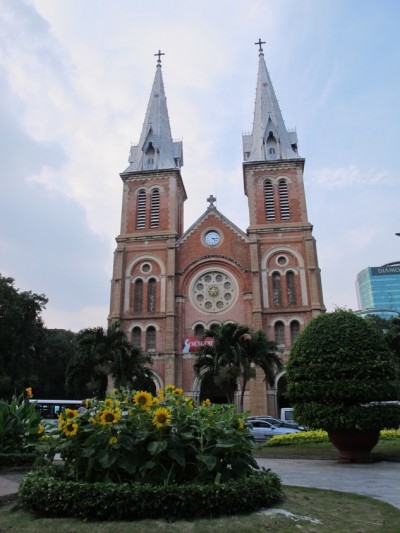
<point x="159" y="54"/>
<point x="211" y="199"/>
<point x="260" y="43"/>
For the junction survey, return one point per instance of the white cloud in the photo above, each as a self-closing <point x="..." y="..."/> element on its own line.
<point x="347" y="177"/>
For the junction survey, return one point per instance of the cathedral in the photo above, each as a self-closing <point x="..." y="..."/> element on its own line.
<point x="170" y="284"/>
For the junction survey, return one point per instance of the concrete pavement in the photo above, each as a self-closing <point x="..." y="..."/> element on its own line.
<point x="380" y="480"/>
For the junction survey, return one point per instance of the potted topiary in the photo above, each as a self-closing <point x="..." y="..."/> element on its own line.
<point x="343" y="378"/>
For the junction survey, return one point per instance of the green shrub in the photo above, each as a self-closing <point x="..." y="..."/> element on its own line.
<point x="20" y="426"/>
<point x="339" y="371"/>
<point x="45" y="493"/>
<point x="303" y="437"/>
<point x="17" y="459"/>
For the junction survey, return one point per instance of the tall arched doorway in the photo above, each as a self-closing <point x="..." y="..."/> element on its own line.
<point x="282" y="400"/>
<point x="209" y="389"/>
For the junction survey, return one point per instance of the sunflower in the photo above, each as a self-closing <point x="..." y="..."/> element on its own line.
<point x="70" y="429"/>
<point x="206" y="403"/>
<point x="162" y="417"/>
<point x="156" y="401"/>
<point x="178" y="391"/>
<point x="143" y="399"/>
<point x="71" y="413"/>
<point x="112" y="440"/>
<point x="108" y="402"/>
<point x="170" y="388"/>
<point x="109" y="416"/>
<point x="189" y="402"/>
<point x="161" y="394"/>
<point x="40" y="429"/>
<point x="61" y="422"/>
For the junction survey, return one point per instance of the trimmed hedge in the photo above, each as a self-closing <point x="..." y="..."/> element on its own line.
<point x="45" y="493"/>
<point x="17" y="459"/>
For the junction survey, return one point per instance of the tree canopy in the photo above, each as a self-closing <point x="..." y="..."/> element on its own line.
<point x="21" y="337"/>
<point x="338" y="365"/>
<point x="234" y="354"/>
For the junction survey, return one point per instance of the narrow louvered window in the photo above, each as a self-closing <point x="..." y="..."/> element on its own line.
<point x="284" y="200"/>
<point x="291" y="288"/>
<point x="155" y="209"/>
<point x="137" y="337"/>
<point x="294" y="330"/>
<point x="269" y="201"/>
<point x="276" y="289"/>
<point x="151" y="295"/>
<point x="141" y="210"/>
<point x="279" y="331"/>
<point x="138" y="296"/>
<point x="151" y="339"/>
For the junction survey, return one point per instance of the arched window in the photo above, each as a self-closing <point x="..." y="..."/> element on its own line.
<point x="141" y="210"/>
<point x="136" y="337"/>
<point x="155" y="209"/>
<point x="214" y="327"/>
<point x="151" y="339"/>
<point x="199" y="331"/>
<point x="272" y="151"/>
<point x="283" y="200"/>
<point x="151" y="295"/>
<point x="279" y="332"/>
<point x="269" y="200"/>
<point x="276" y="289"/>
<point x="294" y="330"/>
<point x="138" y="296"/>
<point x="291" y="288"/>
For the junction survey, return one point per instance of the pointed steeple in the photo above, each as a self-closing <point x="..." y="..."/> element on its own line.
<point x="269" y="140"/>
<point x="156" y="149"/>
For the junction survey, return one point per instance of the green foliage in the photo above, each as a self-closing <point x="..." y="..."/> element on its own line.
<point x="102" y="353"/>
<point x="339" y="365"/>
<point x="233" y="354"/>
<point x="45" y="493"/>
<point x="21" y="336"/>
<point x="317" y="435"/>
<point x="164" y="440"/>
<point x="20" y="426"/>
<point x="14" y="459"/>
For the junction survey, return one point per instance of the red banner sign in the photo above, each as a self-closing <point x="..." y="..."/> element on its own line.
<point x="192" y="344"/>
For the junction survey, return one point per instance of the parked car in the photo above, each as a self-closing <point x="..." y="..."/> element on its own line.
<point x="277" y="422"/>
<point x="263" y="430"/>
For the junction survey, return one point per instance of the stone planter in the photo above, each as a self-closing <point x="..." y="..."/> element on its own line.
<point x="354" y="445"/>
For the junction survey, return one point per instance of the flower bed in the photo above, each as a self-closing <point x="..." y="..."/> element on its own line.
<point x="318" y="435"/>
<point x="136" y="455"/>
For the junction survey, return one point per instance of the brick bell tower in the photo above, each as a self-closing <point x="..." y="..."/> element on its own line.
<point x="286" y="277"/>
<point x="143" y="284"/>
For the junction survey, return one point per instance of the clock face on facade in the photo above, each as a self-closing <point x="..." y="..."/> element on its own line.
<point x="214" y="291"/>
<point x="212" y="238"/>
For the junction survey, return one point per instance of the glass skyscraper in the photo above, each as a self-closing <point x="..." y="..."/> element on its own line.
<point x="378" y="289"/>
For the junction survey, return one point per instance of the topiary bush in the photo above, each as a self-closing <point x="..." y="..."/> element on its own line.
<point x="340" y="370"/>
<point x="45" y="493"/>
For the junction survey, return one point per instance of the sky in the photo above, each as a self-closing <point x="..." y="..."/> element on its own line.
<point x="75" y="79"/>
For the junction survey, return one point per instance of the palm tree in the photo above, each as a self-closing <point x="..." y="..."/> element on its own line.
<point x="235" y="352"/>
<point x="108" y="354"/>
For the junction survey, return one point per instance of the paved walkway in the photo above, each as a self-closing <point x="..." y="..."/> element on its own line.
<point x="379" y="480"/>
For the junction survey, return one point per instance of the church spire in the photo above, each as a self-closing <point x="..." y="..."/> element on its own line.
<point x="156" y="149"/>
<point x="269" y="140"/>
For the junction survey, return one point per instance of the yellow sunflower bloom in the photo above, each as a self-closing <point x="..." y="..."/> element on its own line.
<point x="70" y="429"/>
<point x="162" y="417"/>
<point x="88" y="403"/>
<point x="71" y="413"/>
<point x="156" y="401"/>
<point x="170" y="388"/>
<point x="189" y="402"/>
<point x="112" y="440"/>
<point x="178" y="391"/>
<point x="40" y="429"/>
<point x="161" y="394"/>
<point x="61" y="422"/>
<point x="143" y="399"/>
<point x="108" y="417"/>
<point x="206" y="403"/>
<point x="108" y="402"/>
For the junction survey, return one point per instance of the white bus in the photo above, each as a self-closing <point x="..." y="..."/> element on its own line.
<point x="50" y="409"/>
